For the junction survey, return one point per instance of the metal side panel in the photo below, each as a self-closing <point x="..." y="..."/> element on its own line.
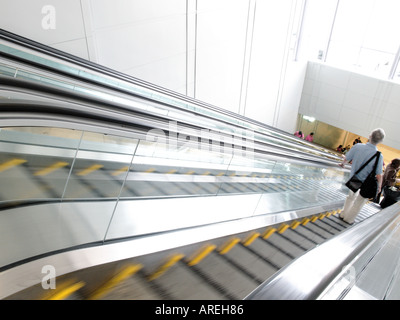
<point x="32" y="230"/>
<point x="133" y="218"/>
<point x="30" y="273"/>
<point x="29" y="231"/>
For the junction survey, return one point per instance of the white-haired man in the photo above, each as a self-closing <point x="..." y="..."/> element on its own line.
<point x="358" y="155"/>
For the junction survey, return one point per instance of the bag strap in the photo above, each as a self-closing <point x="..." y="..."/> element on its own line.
<point x="376" y="162"/>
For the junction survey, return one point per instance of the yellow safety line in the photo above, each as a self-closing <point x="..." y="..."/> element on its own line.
<point x="328" y="214"/>
<point x="268" y="232"/>
<point x="110" y="284"/>
<point x="294" y="224"/>
<point x="305" y="221"/>
<point x="206" y="173"/>
<point x="282" y="228"/>
<point x="314" y="218"/>
<point x="172" y="171"/>
<point x="228" y="245"/>
<point x="189" y="172"/>
<point x="11" y="163"/>
<point x="322" y="215"/>
<point x="50" y="169"/>
<point x="164" y="267"/>
<point x="249" y="240"/>
<point x="120" y="171"/>
<point x="150" y="170"/>
<point x="67" y="291"/>
<point x="90" y="169"/>
<point x="201" y="254"/>
<point x="220" y="174"/>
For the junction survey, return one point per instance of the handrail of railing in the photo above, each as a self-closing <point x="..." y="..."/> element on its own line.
<point x="110" y="78"/>
<point x="90" y="93"/>
<point x="312" y="274"/>
<point x="129" y="120"/>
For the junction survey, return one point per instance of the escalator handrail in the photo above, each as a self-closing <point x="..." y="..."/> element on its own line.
<point x="289" y="142"/>
<point x="33" y="45"/>
<point x="230" y="127"/>
<point x="309" y="276"/>
<point x="96" y="117"/>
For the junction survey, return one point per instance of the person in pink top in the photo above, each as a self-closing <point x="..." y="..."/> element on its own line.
<point x="310" y="137"/>
<point x="299" y="134"/>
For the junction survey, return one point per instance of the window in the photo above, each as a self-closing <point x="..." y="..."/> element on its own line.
<point x="361" y="35"/>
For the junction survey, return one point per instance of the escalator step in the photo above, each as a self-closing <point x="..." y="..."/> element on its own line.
<point x="297" y="239"/>
<point x="271" y="255"/>
<point x="134" y="288"/>
<point x="254" y="267"/>
<point x="180" y="282"/>
<point x="222" y="275"/>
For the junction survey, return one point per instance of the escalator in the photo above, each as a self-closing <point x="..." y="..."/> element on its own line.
<point x="219" y="269"/>
<point x="106" y="178"/>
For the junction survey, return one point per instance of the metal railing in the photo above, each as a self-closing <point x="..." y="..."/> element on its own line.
<point x="61" y="64"/>
<point x="323" y="273"/>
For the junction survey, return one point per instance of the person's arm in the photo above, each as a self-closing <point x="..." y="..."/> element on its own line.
<point x="348" y="157"/>
<point x="379" y="177"/>
<point x="379" y="173"/>
<point x="344" y="161"/>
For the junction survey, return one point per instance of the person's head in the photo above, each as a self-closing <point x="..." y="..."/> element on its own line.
<point x="377" y="136"/>
<point x="396" y="163"/>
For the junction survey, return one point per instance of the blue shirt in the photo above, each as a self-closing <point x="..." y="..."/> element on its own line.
<point x="359" y="154"/>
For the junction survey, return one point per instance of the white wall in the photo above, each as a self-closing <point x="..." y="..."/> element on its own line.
<point x="275" y="78"/>
<point x="26" y="19"/>
<point x="145" y="39"/>
<point x="352" y="101"/>
<point x="235" y="54"/>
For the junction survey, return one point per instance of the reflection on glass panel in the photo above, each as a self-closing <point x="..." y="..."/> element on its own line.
<point x="35" y="162"/>
<point x="247" y="174"/>
<point x="92" y="141"/>
<point x="26" y="177"/>
<point x="169" y="152"/>
<point x="99" y="171"/>
<point x="7" y="71"/>
<point x="41" y="163"/>
<point x="44" y="136"/>
<point x="250" y="165"/>
<point x="169" y="168"/>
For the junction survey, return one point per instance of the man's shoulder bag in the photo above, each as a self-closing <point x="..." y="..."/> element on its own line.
<point x="368" y="188"/>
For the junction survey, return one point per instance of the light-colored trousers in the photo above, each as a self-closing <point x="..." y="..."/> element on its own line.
<point x="352" y="206"/>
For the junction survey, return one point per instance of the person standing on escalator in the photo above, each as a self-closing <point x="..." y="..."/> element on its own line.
<point x="358" y="155"/>
<point x="389" y="177"/>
